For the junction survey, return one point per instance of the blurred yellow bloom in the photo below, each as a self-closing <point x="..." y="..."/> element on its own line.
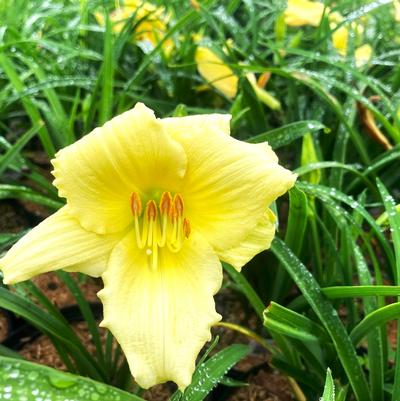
<point x="152" y="205"/>
<point x="363" y="54"/>
<point x="216" y="72"/>
<point x="153" y="23"/>
<point x="304" y="12"/>
<point x="340" y="39"/>
<point x="396" y="4"/>
<point x="222" y="77"/>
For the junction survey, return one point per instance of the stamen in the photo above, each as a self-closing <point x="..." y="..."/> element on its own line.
<point x="151" y="213"/>
<point x="151" y="210"/>
<point x="136" y="207"/>
<point x="186" y="227"/>
<point x="160" y="226"/>
<point x="136" y="204"/>
<point x="178" y="204"/>
<point x="165" y="203"/>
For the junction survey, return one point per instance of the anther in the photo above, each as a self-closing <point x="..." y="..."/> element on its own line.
<point x="165" y="203"/>
<point x="151" y="210"/>
<point x="178" y="204"/>
<point x="136" y="204"/>
<point x="186" y="227"/>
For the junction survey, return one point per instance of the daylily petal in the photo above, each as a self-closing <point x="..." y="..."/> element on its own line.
<point x="228" y="184"/>
<point x="97" y="174"/>
<point x="340" y="39"/>
<point x="203" y="122"/>
<point x="181" y="127"/>
<point x="216" y="72"/>
<point x="59" y="242"/>
<point x="161" y="317"/>
<point x="304" y="12"/>
<point x="363" y="54"/>
<point x="257" y="241"/>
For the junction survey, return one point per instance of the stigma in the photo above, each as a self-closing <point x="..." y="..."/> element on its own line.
<point x="160" y="224"/>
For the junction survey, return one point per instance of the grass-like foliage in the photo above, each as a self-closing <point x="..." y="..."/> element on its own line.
<point x="326" y="290"/>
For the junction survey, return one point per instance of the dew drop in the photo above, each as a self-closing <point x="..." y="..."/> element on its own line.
<point x="100" y="388"/>
<point x="60" y="380"/>
<point x="13" y="374"/>
<point x="33" y="375"/>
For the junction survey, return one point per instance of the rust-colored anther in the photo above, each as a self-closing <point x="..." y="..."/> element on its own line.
<point x="136" y="204"/>
<point x="165" y="203"/>
<point x="178" y="204"/>
<point x="151" y="210"/>
<point x="186" y="227"/>
<point x="263" y="79"/>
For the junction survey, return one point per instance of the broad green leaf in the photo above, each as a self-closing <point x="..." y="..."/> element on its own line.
<point x="292" y="324"/>
<point x="21" y="380"/>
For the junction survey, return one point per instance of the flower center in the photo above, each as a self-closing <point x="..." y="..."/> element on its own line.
<point x="159" y="226"/>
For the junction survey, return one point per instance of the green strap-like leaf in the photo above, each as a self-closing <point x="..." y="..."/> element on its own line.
<point x="21" y="380"/>
<point x="288" y="133"/>
<point x="328" y="316"/>
<point x="211" y="372"/>
<point x="329" y="388"/>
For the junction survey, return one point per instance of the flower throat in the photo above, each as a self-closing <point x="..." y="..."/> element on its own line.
<point x="159" y="226"/>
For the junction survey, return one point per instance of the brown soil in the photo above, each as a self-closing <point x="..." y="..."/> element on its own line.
<point x="13" y="220"/>
<point x="3" y="327"/>
<point x="391" y="328"/>
<point x="265" y="384"/>
<point x="42" y="350"/>
<point x="58" y="293"/>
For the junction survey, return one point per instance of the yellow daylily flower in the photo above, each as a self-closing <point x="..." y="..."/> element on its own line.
<point x="304" y="12"/>
<point x="152" y="206"/>
<point x="222" y="77"/>
<point x="153" y="23"/>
